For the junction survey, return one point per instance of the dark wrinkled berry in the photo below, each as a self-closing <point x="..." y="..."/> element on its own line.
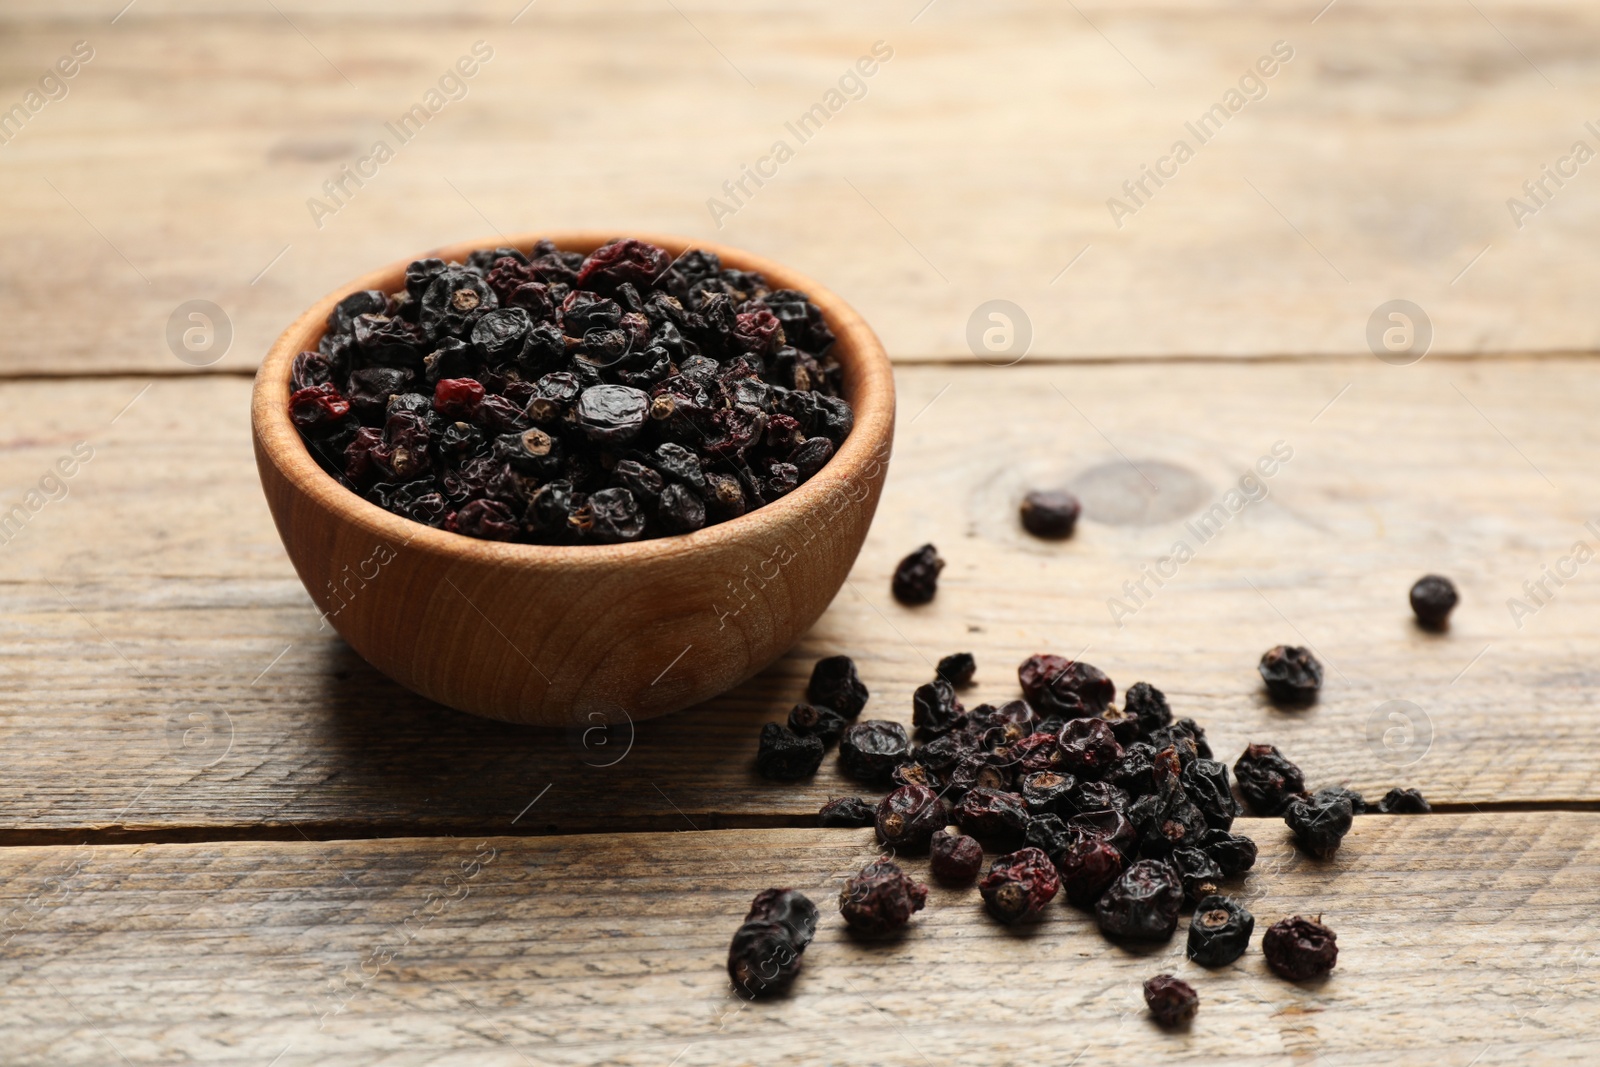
<point x="1019" y="885"/>
<point x="908" y="816"/>
<point x="812" y="720"/>
<point x="1403" y="802"/>
<point x="1143" y="903"/>
<point x="785" y="756"/>
<point x="1171" y="1001"/>
<point x="1049" y="834"/>
<point x="1293" y="675"/>
<point x="1110" y="826"/>
<point x="1147" y="704"/>
<point x="1200" y="874"/>
<point x="1088" y="866"/>
<point x="955" y="859"/>
<point x="846" y="812"/>
<point x="934" y="707"/>
<point x="765" y="954"/>
<point x="1045" y="792"/>
<point x="998" y="819"/>
<point x="916" y="578"/>
<point x="1055" y="685"/>
<point x="835" y="684"/>
<point x="1050" y="513"/>
<point x="1319" y="822"/>
<point x="881" y="898"/>
<point x="1088" y="748"/>
<point x="870" y="750"/>
<point x="957" y="669"/>
<point x="1206" y="783"/>
<point x="1266" y="779"/>
<point x="1232" y="853"/>
<point x="1299" y="948"/>
<point x="788" y="907"/>
<point x="1433" y="598"/>
<point x="1358" y="803"/>
<point x="1219" y="932"/>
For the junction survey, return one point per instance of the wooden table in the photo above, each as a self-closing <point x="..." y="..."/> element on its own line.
<point x="228" y="840"/>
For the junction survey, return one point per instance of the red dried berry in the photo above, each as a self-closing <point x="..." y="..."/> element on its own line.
<point x="316" y="406"/>
<point x="627" y="260"/>
<point x="1019" y="885"/>
<point x="1171" y="1000"/>
<point x="1299" y="948"/>
<point x="1058" y="686"/>
<point x="458" y="398"/>
<point x="955" y="859"/>
<point x="881" y="898"/>
<point x="907" y="817"/>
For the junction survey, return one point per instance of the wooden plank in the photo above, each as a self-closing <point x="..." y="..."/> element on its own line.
<point x="165" y="673"/>
<point x="1462" y="939"/>
<point x="977" y="166"/>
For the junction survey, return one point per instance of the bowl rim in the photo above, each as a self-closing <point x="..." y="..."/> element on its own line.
<point x="278" y="441"/>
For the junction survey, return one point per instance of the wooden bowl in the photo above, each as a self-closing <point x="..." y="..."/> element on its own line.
<point x="564" y="635"/>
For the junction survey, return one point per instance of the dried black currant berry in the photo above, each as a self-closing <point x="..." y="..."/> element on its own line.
<point x="1172" y="1001"/>
<point x="955" y="859"/>
<point x="869" y="751"/>
<point x="916" y="578"/>
<point x="1299" y="948"/>
<point x="1055" y="685"/>
<point x="957" y="669"/>
<point x="1045" y="793"/>
<point x="1319" y="822"/>
<point x="1358" y="803"/>
<point x="1233" y="853"/>
<point x="1219" y="932"/>
<point x="835" y="684"/>
<point x="1267" y="779"/>
<point x="1088" y="867"/>
<point x="785" y="756"/>
<point x="1403" y="802"/>
<point x="998" y="819"/>
<point x="907" y="817"/>
<point x="1050" y="513"/>
<point x="934" y="707"/>
<point x="1200" y="874"/>
<point x="1019" y="885"/>
<point x="792" y="909"/>
<point x="1293" y="675"/>
<point x="1143" y="903"/>
<point x="1149" y="705"/>
<point x="813" y="720"/>
<point x="765" y="954"/>
<point x="1433" y="598"/>
<point x="1206" y="783"/>
<point x="846" y="812"/>
<point x="881" y="898"/>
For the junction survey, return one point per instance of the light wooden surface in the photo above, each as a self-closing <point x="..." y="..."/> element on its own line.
<point x="977" y="166"/>
<point x="1462" y="939"/>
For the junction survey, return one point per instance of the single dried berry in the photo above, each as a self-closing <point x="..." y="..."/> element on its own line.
<point x="765" y="954"/>
<point x="846" y="812"/>
<point x="1206" y="783"/>
<point x="1293" y="675"/>
<point x="1266" y="779"/>
<point x="812" y="720"/>
<point x="881" y="898"/>
<point x="916" y="578"/>
<point x="934" y="707"/>
<point x="1219" y="932"/>
<point x="996" y="818"/>
<point x="1050" y="513"/>
<point x="1200" y="874"/>
<point x="907" y="817"/>
<point x="785" y="756"/>
<point x="1232" y="853"/>
<point x="1045" y="793"/>
<point x="1088" y="748"/>
<point x="1433" y="598"/>
<point x="1147" y="704"/>
<point x="835" y="684"/>
<point x="1055" y="685"/>
<point x="1403" y="802"/>
<point x="869" y="751"/>
<point x="957" y="669"/>
<point x="1358" y="803"/>
<point x="955" y="859"/>
<point x="1319" y="822"/>
<point x="1088" y="867"/>
<point x="1299" y="948"/>
<point x="1019" y="885"/>
<point x="788" y="907"/>
<point x="1143" y="903"/>
<point x="1171" y="1000"/>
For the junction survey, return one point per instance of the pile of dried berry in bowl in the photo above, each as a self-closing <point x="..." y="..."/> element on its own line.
<point x="552" y="397"/>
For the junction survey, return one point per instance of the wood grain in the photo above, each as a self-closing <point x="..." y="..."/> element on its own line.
<point x="166" y="675"/>
<point x="1462" y="939"/>
<point x="977" y="166"/>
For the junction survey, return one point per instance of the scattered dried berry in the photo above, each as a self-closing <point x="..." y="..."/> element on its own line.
<point x="846" y="812"/>
<point x="1266" y="779"/>
<point x="835" y="684"/>
<point x="1143" y="903"/>
<point x="792" y="909"/>
<point x="996" y="818"/>
<point x="1232" y="853"/>
<point x="934" y="707"/>
<point x="881" y="898"/>
<point x="1055" y="685"/>
<point x="1299" y="948"/>
<point x="1433" y="598"/>
<point x="907" y="817"/>
<point x="1293" y="675"/>
<point x="1050" y="513"/>
<point x="785" y="756"/>
<point x="1019" y="885"/>
<point x="1319" y="822"/>
<point x="813" y="720"/>
<point x="1206" y="783"/>
<point x="1219" y="932"/>
<point x="1088" y="866"/>
<point x="765" y="954"/>
<point x="869" y="751"/>
<point x="1200" y="875"/>
<point x="916" y="578"/>
<point x="955" y="859"/>
<point x="1171" y="1000"/>
<point x="1358" y="803"/>
<point x="1148" y="705"/>
<point x="957" y="669"/>
<point x="1403" y="802"/>
<point x="1045" y="793"/>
